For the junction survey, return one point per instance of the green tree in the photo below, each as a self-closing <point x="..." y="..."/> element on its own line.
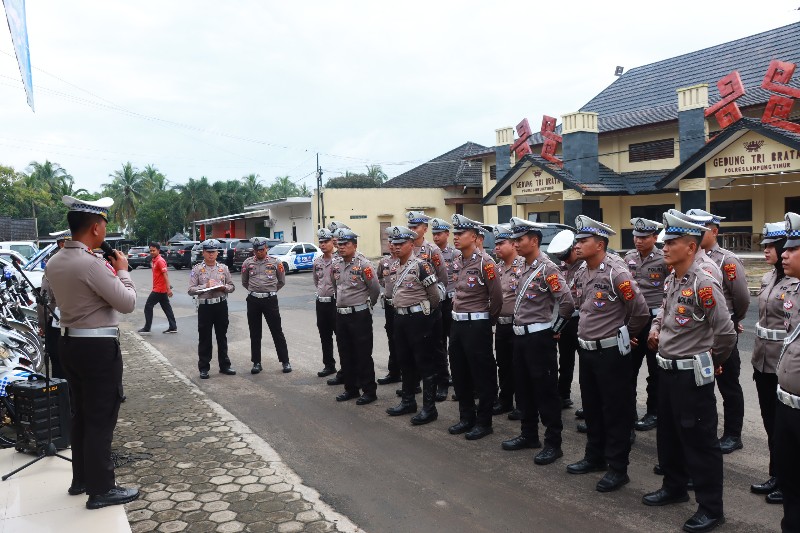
<point x="253" y="189"/>
<point x="197" y="199"/>
<point x="376" y="172"/>
<point x="282" y="187"/>
<point x="127" y="189"/>
<point x="154" y="180"/>
<point x="49" y="176"/>
<point x="230" y="197"/>
<point x="157" y="219"/>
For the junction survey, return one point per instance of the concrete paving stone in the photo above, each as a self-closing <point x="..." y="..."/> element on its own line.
<point x="183" y="465"/>
<point x="237" y="445"/>
<point x="216" y="471"/>
<point x="202" y="527"/>
<point x="256" y="464"/>
<point x="209" y="439"/>
<point x="192" y="505"/>
<point x="320" y="527"/>
<point x="210" y="464"/>
<point x="222" y="516"/>
<point x="252" y="488"/>
<point x="221" y="480"/>
<point x="231" y="527"/>
<point x="263" y="497"/>
<point x="230" y="487"/>
<point x="235" y="496"/>
<point x="234" y="464"/>
<point x="243" y="452"/>
<point x="209" y="496"/>
<point x="261" y="527"/>
<point x="238" y="470"/>
<point x="135" y="505"/>
<point x="157" y="495"/>
<point x="241" y="506"/>
<point x="264" y="471"/>
<point x="218" y="505"/>
<point x="203" y="487"/>
<point x="244" y="480"/>
<point x="161" y="505"/>
<point x="270" y="479"/>
<point x="173" y="526"/>
<point x="290" y="527"/>
<point x="167" y="516"/>
<point x="183" y="496"/>
<point x="145" y="526"/>
<point x="298" y="506"/>
<point x="308" y="516"/>
<point x="141" y="514"/>
<point x="280" y="487"/>
<point x="152" y="483"/>
<point x="288" y="496"/>
<point x="279" y="516"/>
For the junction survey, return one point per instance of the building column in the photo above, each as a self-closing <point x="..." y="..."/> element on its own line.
<point x="694" y="194"/>
<point x="573" y="206"/>
<point x="692" y="126"/>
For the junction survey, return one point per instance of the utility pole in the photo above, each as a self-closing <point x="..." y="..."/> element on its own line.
<point x="320" y="200"/>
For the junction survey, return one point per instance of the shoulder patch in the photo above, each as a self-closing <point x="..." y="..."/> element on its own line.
<point x="280" y="267"/>
<point x="368" y="273"/>
<point x="437" y="260"/>
<point x="552" y="280"/>
<point x="730" y="271"/>
<point x="489" y="268"/>
<point x="706" y="295"/>
<point x="627" y="290"/>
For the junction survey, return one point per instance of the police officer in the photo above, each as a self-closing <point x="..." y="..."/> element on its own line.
<point x="737" y="298"/>
<point x="49" y="326"/>
<point x="787" y="410"/>
<point x="774" y="297"/>
<point x="357" y="290"/>
<point x="211" y="283"/>
<point x="441" y="236"/>
<point x="263" y="276"/>
<point x="325" y="304"/>
<point x="90" y="293"/>
<point x="696" y="337"/>
<point x="387" y="272"/>
<point x="415" y="295"/>
<point x="562" y="246"/>
<point x="540" y="290"/>
<point x="476" y="306"/>
<point x="510" y="269"/>
<point x="612" y="309"/>
<point x="646" y="263"/>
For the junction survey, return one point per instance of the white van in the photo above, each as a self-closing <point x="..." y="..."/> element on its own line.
<point x="26" y="248"/>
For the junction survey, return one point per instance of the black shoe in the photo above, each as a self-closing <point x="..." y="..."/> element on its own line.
<point x="520" y="443"/>
<point x="256" y="368"/>
<point x="729" y="444"/>
<point x="327" y="371"/>
<point x="664" y="497"/>
<point x="389" y="378"/>
<point x="657" y="470"/>
<point x="425" y="416"/>
<point x="516" y="414"/>
<point x="500" y="408"/>
<point x="204" y="374"/>
<point x="406" y="407"/>
<point x="336" y="380"/>
<point x="287" y="367"/>
<point x="585" y="466"/>
<point x="170" y="330"/>
<point x="612" y="481"/>
<point x="367" y="397"/>
<point x="227" y="371"/>
<point x="566" y="403"/>
<point x="582" y="428"/>
<point x="115" y="496"/>
<point x="478" y="432"/>
<point x="547" y="455"/>
<point x="775" y="496"/>
<point x="765" y="488"/>
<point x="646" y="423"/>
<point x="461" y="427"/>
<point x="429" y="412"/>
<point x="690" y="484"/>
<point x="442" y="390"/>
<point x="343" y="397"/>
<point x="579" y="413"/>
<point x="702" y="522"/>
<point x="633" y="437"/>
<point x="143" y="330"/>
<point x="417" y="390"/>
<point x="76" y="488"/>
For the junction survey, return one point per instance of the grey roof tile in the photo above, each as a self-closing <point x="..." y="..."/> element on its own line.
<point x="446" y="170"/>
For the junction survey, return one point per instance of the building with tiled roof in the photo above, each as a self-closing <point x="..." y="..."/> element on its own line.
<point x="451" y="169"/>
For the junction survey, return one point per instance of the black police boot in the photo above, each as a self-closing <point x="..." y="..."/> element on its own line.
<point x="256" y="368"/>
<point x="729" y="444"/>
<point x="579" y="413"/>
<point x="115" y="496"/>
<point x="765" y="488"/>
<point x="442" y="390"/>
<point x="463" y="425"/>
<point x="327" y="371"/>
<point x="702" y="522"/>
<point x="406" y="406"/>
<point x="389" y="378"/>
<point x="429" y="412"/>
<point x="647" y="422"/>
<point x="776" y="496"/>
<point x="500" y="407"/>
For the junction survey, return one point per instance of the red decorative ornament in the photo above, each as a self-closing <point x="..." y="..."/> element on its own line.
<point x="551" y="140"/>
<point x="726" y="111"/>
<point x="779" y="108"/>
<point x="521" y="147"/>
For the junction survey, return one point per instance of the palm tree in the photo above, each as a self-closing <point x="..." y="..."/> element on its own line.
<point x="154" y="180"/>
<point x="198" y="199"/>
<point x="282" y="187"/>
<point x="230" y="198"/>
<point x="376" y="172"/>
<point x="49" y="176"/>
<point x="252" y="189"/>
<point x="127" y="189"/>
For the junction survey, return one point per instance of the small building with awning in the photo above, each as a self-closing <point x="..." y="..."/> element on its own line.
<point x="284" y="218"/>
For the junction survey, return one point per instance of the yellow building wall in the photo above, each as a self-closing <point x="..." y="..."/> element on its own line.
<point x="768" y="194"/>
<point x="613" y="149"/>
<point x="617" y="211"/>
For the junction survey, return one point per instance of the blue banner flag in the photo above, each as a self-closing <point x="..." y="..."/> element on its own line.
<point x="17" y="24"/>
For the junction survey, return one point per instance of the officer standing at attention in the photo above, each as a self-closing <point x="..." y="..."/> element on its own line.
<point x="415" y="295"/>
<point x="787" y="410"/>
<point x="773" y="299"/>
<point x="263" y="276"/>
<point x="357" y="290"/>
<point x="510" y="270"/>
<point x="211" y="283"/>
<point x="737" y="298"/>
<point x="90" y="293"/>
<point x="387" y="272"/>
<point x="541" y="288"/>
<point x="441" y="235"/>
<point x="646" y="263"/>
<point x="562" y="247"/>
<point x="696" y="337"/>
<point x="49" y="327"/>
<point x="325" y="304"/>
<point x="476" y="306"/>
<point x="613" y="312"/>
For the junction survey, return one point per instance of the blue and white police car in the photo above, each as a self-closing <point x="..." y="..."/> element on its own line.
<point x="295" y="256"/>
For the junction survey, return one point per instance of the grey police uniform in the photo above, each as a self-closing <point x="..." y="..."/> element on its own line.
<point x="325" y="306"/>
<point x="51" y="327"/>
<point x="503" y="331"/>
<point x="387" y="272"/>
<point x="449" y="256"/>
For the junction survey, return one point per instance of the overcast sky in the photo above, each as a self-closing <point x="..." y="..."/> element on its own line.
<point x="224" y="89"/>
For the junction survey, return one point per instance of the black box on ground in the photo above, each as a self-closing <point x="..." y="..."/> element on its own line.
<point x="33" y="419"/>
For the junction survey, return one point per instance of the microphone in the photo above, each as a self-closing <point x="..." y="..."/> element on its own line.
<point x="108" y="251"/>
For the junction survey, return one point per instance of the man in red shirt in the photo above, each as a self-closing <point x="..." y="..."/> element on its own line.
<point x="162" y="292"/>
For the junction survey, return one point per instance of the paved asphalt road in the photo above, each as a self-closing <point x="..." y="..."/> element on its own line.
<point x="387" y="476"/>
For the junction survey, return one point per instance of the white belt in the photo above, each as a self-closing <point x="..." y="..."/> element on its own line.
<point x="263" y="294"/>
<point x="789" y="399"/>
<point x="576" y="313"/>
<point x="505" y="320"/>
<point x="408" y="310"/>
<point x="216" y="300"/>
<point x="770" y="334"/>
<point x="351" y="309"/>
<point x="654" y="311"/>
<point x="675" y="364"/>
<point x="451" y="294"/>
<point x="461" y="317"/>
<point x="610" y="342"/>
<point x="532" y="328"/>
<point x="387" y="301"/>
<point x="325" y="299"/>
<point x="90" y="332"/>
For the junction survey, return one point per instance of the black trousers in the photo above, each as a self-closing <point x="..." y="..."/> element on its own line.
<point x="787" y="463"/>
<point x="536" y="373"/>
<point x="766" y="385"/>
<point x="354" y="335"/>
<point x="326" y="324"/>
<point x="605" y="377"/>
<point x="52" y="340"/>
<point x="94" y="371"/>
<point x="395" y="367"/>
<point x="686" y="436"/>
<point x="212" y="316"/>
<point x="638" y="355"/>
<point x="413" y="336"/>
<point x="506" y="367"/>
<point x="163" y="299"/>
<point x="473" y="369"/>
<point x="567" y="347"/>
<point x="446" y="307"/>
<point x="440" y="346"/>
<point x="732" y="396"/>
<point x="268" y="308"/>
